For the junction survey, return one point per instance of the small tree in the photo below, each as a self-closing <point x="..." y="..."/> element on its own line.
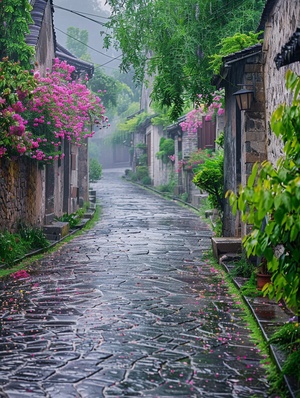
<point x="273" y="194"/>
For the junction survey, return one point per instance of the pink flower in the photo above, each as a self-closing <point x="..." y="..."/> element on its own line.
<point x="22" y="274"/>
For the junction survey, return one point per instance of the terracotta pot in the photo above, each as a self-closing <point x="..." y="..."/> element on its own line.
<point x="262" y="279"/>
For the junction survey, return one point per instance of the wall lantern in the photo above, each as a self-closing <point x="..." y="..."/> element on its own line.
<point x="244" y="98"/>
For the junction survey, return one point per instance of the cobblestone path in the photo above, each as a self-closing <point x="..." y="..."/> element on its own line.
<point x="127" y="309"/>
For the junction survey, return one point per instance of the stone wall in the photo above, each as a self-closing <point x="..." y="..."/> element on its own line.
<point x="253" y="141"/>
<point x="281" y="23"/>
<point x="245" y="135"/>
<point x="21" y="193"/>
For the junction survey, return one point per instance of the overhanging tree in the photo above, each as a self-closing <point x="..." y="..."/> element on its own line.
<point x="173" y="40"/>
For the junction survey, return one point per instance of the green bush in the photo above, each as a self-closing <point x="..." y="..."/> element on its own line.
<point x="146" y="180"/>
<point x="95" y="170"/>
<point x="14" y="246"/>
<point x="143" y="160"/>
<point x="287" y="338"/>
<point x="141" y="172"/>
<point x="34" y="236"/>
<point x="209" y="176"/>
<point x="166" y="149"/>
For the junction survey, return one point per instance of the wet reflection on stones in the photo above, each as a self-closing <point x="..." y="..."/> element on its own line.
<point x="129" y="308"/>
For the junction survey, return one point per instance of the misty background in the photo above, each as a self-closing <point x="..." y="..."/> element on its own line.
<point x="91" y="15"/>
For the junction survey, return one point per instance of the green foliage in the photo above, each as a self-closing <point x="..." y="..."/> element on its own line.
<point x="209" y="176"/>
<point x="142" y="172"/>
<point x="197" y="158"/>
<point x="109" y="87"/>
<point x="174" y="39"/>
<point x="95" y="171"/>
<point x="142" y="160"/>
<point x="141" y="175"/>
<point x="220" y="140"/>
<point x="169" y="187"/>
<point x="77" y="41"/>
<point x="142" y="146"/>
<point x="132" y="124"/>
<point x="33" y="236"/>
<point x="146" y="180"/>
<point x="249" y="289"/>
<point x="287" y="338"/>
<point x="14" y="246"/>
<point x="230" y="45"/>
<point x="184" y="197"/>
<point x="243" y="268"/>
<point x="14" y="19"/>
<point x="122" y="132"/>
<point x="74" y="218"/>
<point x="272" y="196"/>
<point x="166" y="149"/>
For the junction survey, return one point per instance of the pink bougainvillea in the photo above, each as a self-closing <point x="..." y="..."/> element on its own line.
<point x="194" y="118"/>
<point x="40" y="115"/>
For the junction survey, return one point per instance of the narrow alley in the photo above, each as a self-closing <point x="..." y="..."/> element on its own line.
<point x="129" y="308"/>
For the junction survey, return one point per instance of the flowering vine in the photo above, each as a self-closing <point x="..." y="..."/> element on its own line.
<point x="194" y="118"/>
<point x="40" y="113"/>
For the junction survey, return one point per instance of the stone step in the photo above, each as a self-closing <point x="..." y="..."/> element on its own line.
<point x="56" y="230"/>
<point x="221" y="246"/>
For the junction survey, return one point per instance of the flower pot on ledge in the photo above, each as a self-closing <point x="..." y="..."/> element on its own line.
<point x="262" y="279"/>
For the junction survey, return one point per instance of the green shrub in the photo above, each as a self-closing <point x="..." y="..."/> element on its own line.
<point x="133" y="177"/>
<point x="287" y="338"/>
<point x="141" y="172"/>
<point x="166" y="149"/>
<point x="209" y="176"/>
<point x="34" y="236"/>
<point x="143" y="160"/>
<point x="95" y="170"/>
<point x="12" y="247"/>
<point x="74" y="218"/>
<point x="184" y="197"/>
<point x="146" y="180"/>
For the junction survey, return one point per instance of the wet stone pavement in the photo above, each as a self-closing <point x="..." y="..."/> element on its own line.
<point x="128" y="309"/>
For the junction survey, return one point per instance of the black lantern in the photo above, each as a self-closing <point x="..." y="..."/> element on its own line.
<point x="244" y="98"/>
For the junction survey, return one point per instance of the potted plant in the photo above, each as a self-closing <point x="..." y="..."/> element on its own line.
<point x="272" y="193"/>
<point x="263" y="276"/>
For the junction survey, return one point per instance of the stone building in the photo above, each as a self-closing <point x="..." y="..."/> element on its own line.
<point x="35" y="193"/>
<point x="260" y="69"/>
<point x="281" y="51"/>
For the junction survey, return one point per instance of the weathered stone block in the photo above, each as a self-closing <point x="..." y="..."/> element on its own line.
<point x="222" y="246"/>
<point x="57" y="230"/>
